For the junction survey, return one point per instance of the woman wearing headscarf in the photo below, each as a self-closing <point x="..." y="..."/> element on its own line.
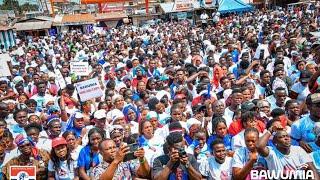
<point x="132" y="116"/>
<point x="139" y="75"/>
<point x="76" y="123"/>
<point x="30" y="156"/>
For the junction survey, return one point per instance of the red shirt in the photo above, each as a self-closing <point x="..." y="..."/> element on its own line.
<point x="236" y="127"/>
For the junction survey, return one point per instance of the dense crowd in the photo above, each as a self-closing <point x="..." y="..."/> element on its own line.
<point x="228" y="100"/>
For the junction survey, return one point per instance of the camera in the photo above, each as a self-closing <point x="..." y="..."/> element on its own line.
<point x="182" y="152"/>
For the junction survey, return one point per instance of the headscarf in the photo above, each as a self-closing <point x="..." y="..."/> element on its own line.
<point x="134" y="71"/>
<point x="71" y="127"/>
<point x="20" y="140"/>
<point x="126" y="109"/>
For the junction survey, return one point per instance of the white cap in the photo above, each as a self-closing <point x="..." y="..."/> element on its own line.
<point x="100" y="114"/>
<point x="192" y="121"/>
<point x="78" y="115"/>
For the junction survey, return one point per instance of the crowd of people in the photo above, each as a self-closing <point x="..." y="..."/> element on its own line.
<point x="224" y="101"/>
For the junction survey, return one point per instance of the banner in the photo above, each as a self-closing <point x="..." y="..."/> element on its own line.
<point x="22" y="172"/>
<point x="4" y="69"/>
<point x="60" y="79"/>
<point x="79" y="68"/>
<point x="5" y="57"/>
<point x="89" y="89"/>
<point x="183" y="5"/>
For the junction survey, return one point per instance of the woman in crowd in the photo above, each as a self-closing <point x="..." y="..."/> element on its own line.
<point x="220" y="130"/>
<point x="132" y="117"/>
<point x="89" y="155"/>
<point x="61" y="165"/>
<point x="151" y="144"/>
<point x="247" y="158"/>
<point x="72" y="144"/>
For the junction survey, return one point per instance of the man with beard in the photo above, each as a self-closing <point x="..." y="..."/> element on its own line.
<point x="284" y="158"/>
<point x="113" y="166"/>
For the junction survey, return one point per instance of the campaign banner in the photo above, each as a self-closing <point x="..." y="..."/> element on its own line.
<point x="79" y="68"/>
<point x="22" y="172"/>
<point x="60" y="79"/>
<point x="89" y="89"/>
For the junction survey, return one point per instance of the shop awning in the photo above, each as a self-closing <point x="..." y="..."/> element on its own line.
<point x="110" y="16"/>
<point x="74" y="19"/>
<point x="27" y="26"/>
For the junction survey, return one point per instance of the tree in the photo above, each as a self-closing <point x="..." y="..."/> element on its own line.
<point x="18" y="9"/>
<point x="10" y="5"/>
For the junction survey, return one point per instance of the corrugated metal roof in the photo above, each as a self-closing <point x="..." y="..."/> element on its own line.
<point x="25" y="26"/>
<point x="70" y="19"/>
<point x="110" y="16"/>
<point x="5" y="28"/>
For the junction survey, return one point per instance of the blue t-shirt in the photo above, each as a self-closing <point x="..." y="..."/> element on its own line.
<point x="303" y="130"/>
<point x="87" y="159"/>
<point x="226" y="141"/>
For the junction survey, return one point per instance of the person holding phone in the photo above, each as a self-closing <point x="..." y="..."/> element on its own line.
<point x="113" y="165"/>
<point x="177" y="164"/>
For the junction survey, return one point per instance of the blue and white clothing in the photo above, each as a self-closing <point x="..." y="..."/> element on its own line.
<point x="214" y="170"/>
<point x="241" y="157"/>
<point x="279" y="162"/>
<point x="302" y="91"/>
<point x="303" y="129"/>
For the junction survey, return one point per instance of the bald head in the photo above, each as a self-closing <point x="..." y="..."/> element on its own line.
<point x="105" y="143"/>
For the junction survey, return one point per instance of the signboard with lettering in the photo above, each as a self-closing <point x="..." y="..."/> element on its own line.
<point x="89" y="89"/>
<point x="183" y="5"/>
<point x="22" y="172"/>
<point x="79" y="68"/>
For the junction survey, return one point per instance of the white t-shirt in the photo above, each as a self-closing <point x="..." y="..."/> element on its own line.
<point x="204" y="18"/>
<point x="66" y="172"/>
<point x="279" y="162"/>
<point x="214" y="170"/>
<point x="272" y="100"/>
<point x="228" y="115"/>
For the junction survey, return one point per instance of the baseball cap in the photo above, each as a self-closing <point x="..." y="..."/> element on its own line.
<point x="304" y="76"/>
<point x="100" y="114"/>
<point x="315" y="98"/>
<point x="247" y="106"/>
<point x="58" y="141"/>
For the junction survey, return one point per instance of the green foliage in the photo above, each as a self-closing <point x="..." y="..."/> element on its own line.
<point x="14" y="5"/>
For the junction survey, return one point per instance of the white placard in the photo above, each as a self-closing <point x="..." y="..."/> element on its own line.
<point x="183" y="5"/>
<point x="5" y="57"/>
<point x="89" y="89"/>
<point x="79" y="68"/>
<point x="4" y="69"/>
<point x="60" y="79"/>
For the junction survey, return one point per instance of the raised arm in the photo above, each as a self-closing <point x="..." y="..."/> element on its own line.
<point x="241" y="173"/>
<point x="109" y="172"/>
<point x="144" y="168"/>
<point x="313" y="79"/>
